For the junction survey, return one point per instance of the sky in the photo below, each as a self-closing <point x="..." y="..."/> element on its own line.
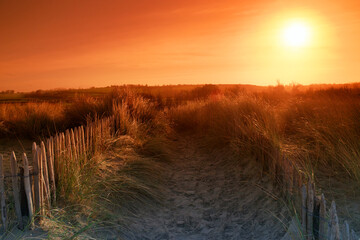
<point x="79" y="44"/>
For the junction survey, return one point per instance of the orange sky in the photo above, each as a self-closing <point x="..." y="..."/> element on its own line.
<point x="84" y="43"/>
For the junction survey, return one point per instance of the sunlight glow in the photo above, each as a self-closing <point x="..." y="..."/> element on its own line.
<point x="296" y="34"/>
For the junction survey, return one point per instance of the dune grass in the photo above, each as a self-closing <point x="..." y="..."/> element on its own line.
<point x="318" y="131"/>
<point x="124" y="175"/>
<point x="315" y="131"/>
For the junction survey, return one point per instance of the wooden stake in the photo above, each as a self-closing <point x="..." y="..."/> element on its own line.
<point x="51" y="172"/>
<point x="83" y="140"/>
<point x="41" y="181"/>
<point x="2" y="193"/>
<point x="37" y="192"/>
<point x="310" y="211"/>
<point x="346" y="231"/>
<point x="28" y="189"/>
<point x="334" y="230"/>
<point x="353" y="235"/>
<point x="322" y="219"/>
<point x="76" y="140"/>
<point x="303" y="210"/>
<point x="73" y="145"/>
<point x="87" y="132"/>
<point x="63" y="145"/>
<point x="45" y="173"/>
<point x="15" y="186"/>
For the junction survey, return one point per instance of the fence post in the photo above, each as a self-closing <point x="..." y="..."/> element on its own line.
<point x="303" y="210"/>
<point x="67" y="144"/>
<point x="73" y="145"/>
<point x="36" y="180"/>
<point x="52" y="191"/>
<point x="334" y="229"/>
<point x="42" y="187"/>
<point x="46" y="174"/>
<point x="322" y="219"/>
<point x="310" y="209"/>
<point x="83" y="140"/>
<point x="27" y="186"/>
<point x="77" y="142"/>
<point x="63" y="145"/>
<point x="87" y="132"/>
<point x="2" y="192"/>
<point x="353" y="235"/>
<point x="80" y="145"/>
<point x="346" y="231"/>
<point x="15" y="186"/>
<point x="56" y="156"/>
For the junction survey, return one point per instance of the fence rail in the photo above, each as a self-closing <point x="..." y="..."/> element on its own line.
<point x="34" y="186"/>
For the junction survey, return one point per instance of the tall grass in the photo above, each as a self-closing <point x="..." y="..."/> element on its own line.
<point x="124" y="175"/>
<point x="316" y="130"/>
<point x="319" y="131"/>
<point x="30" y="119"/>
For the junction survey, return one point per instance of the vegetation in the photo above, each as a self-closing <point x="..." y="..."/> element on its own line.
<point x="317" y="129"/>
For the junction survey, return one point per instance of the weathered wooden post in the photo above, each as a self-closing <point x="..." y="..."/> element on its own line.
<point x="77" y="141"/>
<point x="73" y="145"/>
<point x="346" y="231"/>
<point x="310" y="211"/>
<point x="28" y="190"/>
<point x="316" y="217"/>
<point x="322" y="219"/>
<point x="83" y="140"/>
<point x="353" y="235"/>
<point x="63" y="145"/>
<point x="42" y="186"/>
<point x="37" y="191"/>
<point x="51" y="171"/>
<point x="45" y="173"/>
<point x="68" y="148"/>
<point x="56" y="156"/>
<point x="303" y="210"/>
<point x="334" y="229"/>
<point x="2" y="193"/>
<point x="15" y="185"/>
<point x="87" y="133"/>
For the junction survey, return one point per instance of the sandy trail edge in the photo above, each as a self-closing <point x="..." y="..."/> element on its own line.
<point x="206" y="200"/>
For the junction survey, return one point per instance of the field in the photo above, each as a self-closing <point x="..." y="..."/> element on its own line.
<point x="191" y="162"/>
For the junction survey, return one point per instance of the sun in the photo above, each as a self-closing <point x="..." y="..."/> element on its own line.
<point x="296" y="34"/>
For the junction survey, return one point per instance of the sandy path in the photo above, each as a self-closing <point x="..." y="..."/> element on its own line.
<point x="205" y="200"/>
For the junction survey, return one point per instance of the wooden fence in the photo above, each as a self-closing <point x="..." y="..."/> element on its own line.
<point x="36" y="193"/>
<point x="318" y="222"/>
<point x="34" y="185"/>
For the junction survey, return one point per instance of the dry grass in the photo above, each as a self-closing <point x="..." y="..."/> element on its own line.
<point x="125" y="175"/>
<point x="318" y="131"/>
<point x="30" y="119"/>
<point x="314" y="130"/>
